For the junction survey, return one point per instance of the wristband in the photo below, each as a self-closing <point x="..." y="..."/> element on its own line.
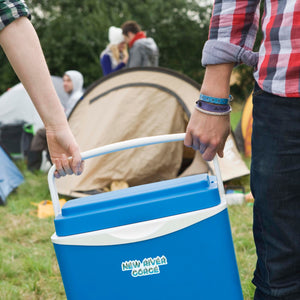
<point x="211" y="109"/>
<point x="213" y="100"/>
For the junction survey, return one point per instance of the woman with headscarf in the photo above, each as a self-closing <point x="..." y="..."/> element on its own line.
<point x="115" y="56"/>
<point x="73" y="86"/>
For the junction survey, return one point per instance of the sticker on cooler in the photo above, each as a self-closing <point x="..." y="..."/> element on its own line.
<point x="148" y="266"/>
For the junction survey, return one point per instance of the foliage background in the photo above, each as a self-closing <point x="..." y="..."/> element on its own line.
<point x="73" y="33"/>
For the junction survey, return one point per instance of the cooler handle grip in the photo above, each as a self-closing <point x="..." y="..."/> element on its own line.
<point x="119" y="146"/>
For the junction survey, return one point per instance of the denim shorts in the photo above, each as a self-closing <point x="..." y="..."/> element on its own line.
<point x="275" y="184"/>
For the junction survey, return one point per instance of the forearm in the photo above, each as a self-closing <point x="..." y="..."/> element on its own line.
<point x="208" y="133"/>
<point x="119" y="66"/>
<point x="216" y="81"/>
<point x="106" y="64"/>
<point x="22" y="48"/>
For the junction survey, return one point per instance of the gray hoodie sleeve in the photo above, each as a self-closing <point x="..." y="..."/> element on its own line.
<point x="136" y="57"/>
<point x="144" y="53"/>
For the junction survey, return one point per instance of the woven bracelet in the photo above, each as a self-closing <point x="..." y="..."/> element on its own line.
<point x="214" y="100"/>
<point x="211" y="109"/>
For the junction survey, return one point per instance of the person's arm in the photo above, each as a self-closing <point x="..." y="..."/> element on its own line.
<point x="106" y="64"/>
<point x="119" y="66"/>
<point x="232" y="34"/>
<point x="211" y="131"/>
<point x="107" y="67"/>
<point x="22" y="48"/>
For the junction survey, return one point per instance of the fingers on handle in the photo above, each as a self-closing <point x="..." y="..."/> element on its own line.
<point x="59" y="168"/>
<point x="188" y="140"/>
<point x="209" y="153"/>
<point x="213" y="149"/>
<point x="66" y="164"/>
<point x="77" y="163"/>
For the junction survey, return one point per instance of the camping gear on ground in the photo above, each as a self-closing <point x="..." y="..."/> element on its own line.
<point x="16" y="138"/>
<point x="19" y="118"/>
<point x="10" y="176"/>
<point x="235" y="194"/>
<point x="249" y="198"/>
<point x="163" y="240"/>
<point x="234" y="198"/>
<point x="45" y="208"/>
<point x="134" y="103"/>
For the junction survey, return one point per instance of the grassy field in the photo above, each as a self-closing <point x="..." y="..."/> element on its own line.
<point x="28" y="266"/>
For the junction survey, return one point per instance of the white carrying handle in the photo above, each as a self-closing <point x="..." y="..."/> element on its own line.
<point x="134" y="143"/>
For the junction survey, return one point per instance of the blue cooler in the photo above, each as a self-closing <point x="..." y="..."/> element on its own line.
<point x="164" y="240"/>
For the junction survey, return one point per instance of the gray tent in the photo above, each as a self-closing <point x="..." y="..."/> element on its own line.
<point x="18" y="112"/>
<point x="134" y="103"/>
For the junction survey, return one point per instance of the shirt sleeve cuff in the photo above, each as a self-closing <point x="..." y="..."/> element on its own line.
<point x="219" y="52"/>
<point x="11" y="11"/>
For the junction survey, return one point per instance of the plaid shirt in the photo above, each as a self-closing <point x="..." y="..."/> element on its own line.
<point x="233" y="29"/>
<point x="11" y="10"/>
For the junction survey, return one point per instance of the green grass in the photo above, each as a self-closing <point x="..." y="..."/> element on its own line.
<point x="28" y="266"/>
<point x="241" y="227"/>
<point x="236" y="114"/>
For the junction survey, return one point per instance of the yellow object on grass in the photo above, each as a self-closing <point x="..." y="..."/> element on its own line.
<point x="118" y="185"/>
<point x="45" y="208"/>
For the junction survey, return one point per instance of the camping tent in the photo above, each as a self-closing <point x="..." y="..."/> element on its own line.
<point x="243" y="131"/>
<point x="246" y="125"/>
<point x="10" y="176"/>
<point x="135" y="103"/>
<point x="18" y="112"/>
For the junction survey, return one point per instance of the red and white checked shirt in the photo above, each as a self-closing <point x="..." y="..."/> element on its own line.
<point x="232" y="34"/>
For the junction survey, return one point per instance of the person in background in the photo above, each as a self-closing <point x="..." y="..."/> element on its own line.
<point x="143" y="51"/>
<point x="115" y="56"/>
<point x="275" y="161"/>
<point x="29" y="64"/>
<point x="73" y="86"/>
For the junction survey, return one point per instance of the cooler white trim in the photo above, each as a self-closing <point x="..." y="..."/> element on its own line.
<point x="138" y="231"/>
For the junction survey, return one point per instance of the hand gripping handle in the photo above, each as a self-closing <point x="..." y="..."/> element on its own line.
<point x="134" y="143"/>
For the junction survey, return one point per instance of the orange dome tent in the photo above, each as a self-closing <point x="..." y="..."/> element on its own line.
<point x="246" y="125"/>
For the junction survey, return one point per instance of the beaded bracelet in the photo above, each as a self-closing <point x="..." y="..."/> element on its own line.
<point x="211" y="109"/>
<point x="214" y="100"/>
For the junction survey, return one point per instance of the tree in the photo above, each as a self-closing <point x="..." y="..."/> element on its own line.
<point x="74" y="32"/>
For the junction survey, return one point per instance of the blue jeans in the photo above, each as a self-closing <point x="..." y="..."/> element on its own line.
<point x="275" y="184"/>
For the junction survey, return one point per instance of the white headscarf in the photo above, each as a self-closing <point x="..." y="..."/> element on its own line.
<point x="77" y="92"/>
